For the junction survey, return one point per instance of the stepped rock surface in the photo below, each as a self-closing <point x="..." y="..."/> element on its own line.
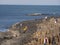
<point x="32" y="32"/>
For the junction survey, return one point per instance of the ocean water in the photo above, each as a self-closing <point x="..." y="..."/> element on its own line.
<point x="10" y="14"/>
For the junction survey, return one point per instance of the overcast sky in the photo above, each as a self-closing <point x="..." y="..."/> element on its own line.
<point x="30" y="2"/>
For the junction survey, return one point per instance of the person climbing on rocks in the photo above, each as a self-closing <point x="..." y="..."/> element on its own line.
<point x="45" y="40"/>
<point x="25" y="29"/>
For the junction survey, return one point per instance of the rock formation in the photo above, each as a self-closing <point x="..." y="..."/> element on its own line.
<point x="32" y="32"/>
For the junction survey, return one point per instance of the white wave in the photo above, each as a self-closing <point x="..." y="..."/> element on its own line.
<point x="3" y="30"/>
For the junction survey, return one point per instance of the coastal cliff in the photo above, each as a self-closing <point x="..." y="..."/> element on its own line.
<point x="32" y="32"/>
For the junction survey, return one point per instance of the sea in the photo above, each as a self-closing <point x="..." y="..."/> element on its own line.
<point x="11" y="14"/>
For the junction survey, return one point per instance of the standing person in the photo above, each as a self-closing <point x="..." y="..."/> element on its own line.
<point x="56" y="20"/>
<point x="45" y="41"/>
<point x="21" y="24"/>
<point x="59" y="37"/>
<point x="53" y="40"/>
<point x="49" y="40"/>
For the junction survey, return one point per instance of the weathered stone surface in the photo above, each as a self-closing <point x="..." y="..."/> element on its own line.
<point x="31" y="32"/>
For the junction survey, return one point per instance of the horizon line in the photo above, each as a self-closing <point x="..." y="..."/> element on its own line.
<point x="29" y="4"/>
<point x="20" y="4"/>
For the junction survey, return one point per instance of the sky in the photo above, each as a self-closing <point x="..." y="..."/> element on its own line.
<point x="30" y="2"/>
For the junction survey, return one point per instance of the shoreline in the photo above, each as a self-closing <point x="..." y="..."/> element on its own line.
<point x="29" y="31"/>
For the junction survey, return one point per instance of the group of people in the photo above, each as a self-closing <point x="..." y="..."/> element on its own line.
<point x="54" y="40"/>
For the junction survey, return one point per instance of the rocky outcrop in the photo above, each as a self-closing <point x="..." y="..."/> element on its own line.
<point x="35" y="14"/>
<point x="32" y="32"/>
<point x="41" y="14"/>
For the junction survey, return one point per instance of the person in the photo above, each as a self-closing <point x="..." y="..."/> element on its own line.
<point x="45" y="41"/>
<point x="46" y="17"/>
<point x="57" y="38"/>
<point x="25" y="29"/>
<point x="53" y="40"/>
<point x="55" y="20"/>
<point x="49" y="40"/>
<point x="21" y="24"/>
<point x="59" y="34"/>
